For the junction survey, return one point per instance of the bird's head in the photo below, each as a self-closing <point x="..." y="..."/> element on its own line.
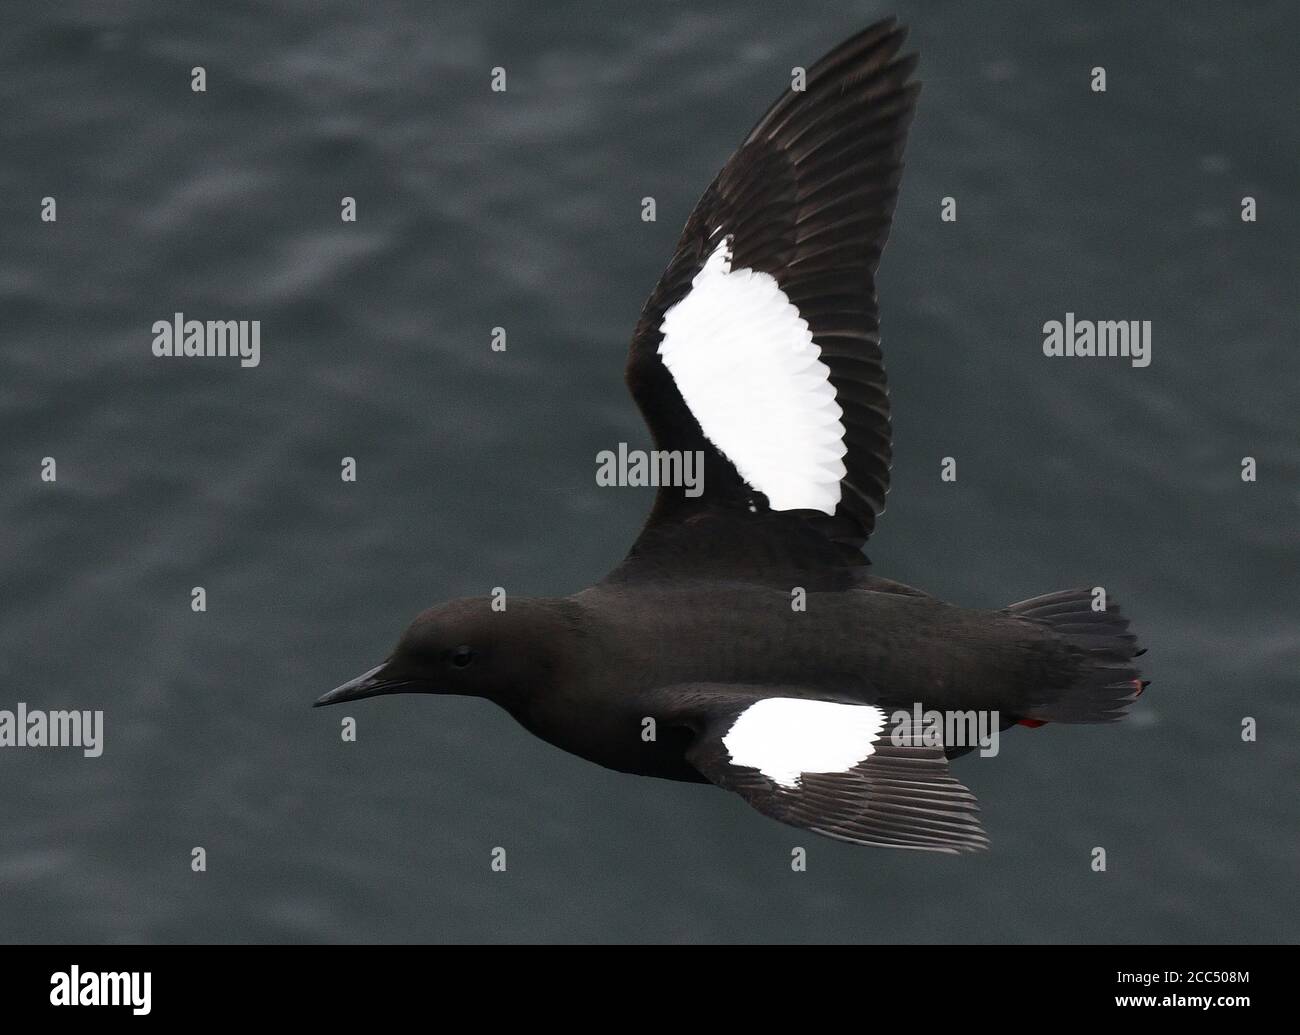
<point x="468" y="648"/>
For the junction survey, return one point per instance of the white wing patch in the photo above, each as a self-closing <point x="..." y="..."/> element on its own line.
<point x="746" y="365"/>
<point x="784" y="737"/>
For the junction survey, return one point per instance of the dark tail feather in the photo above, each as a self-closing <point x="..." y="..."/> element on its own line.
<point x="1091" y="677"/>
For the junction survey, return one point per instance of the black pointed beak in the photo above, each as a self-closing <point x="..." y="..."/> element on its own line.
<point x="368" y="684"/>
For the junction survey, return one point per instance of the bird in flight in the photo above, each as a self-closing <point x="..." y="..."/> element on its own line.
<point x="743" y="641"/>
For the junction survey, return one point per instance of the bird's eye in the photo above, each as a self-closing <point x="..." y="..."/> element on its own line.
<point x="462" y="656"/>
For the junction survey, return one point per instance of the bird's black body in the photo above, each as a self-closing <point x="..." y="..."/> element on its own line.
<point x="859" y="645"/>
<point x="747" y="644"/>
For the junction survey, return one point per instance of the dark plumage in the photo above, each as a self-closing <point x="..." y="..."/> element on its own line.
<point x="793" y="709"/>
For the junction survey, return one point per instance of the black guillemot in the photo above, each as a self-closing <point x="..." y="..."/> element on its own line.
<point x="743" y="642"/>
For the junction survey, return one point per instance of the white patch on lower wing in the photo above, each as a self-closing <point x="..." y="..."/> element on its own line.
<point x="784" y="737"/>
<point x="745" y="362"/>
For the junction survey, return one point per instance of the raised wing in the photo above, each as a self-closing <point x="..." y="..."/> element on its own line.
<point x="759" y="346"/>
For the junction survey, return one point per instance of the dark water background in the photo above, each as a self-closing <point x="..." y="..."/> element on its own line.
<point x="477" y="469"/>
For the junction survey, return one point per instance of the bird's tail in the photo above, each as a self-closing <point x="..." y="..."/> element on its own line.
<point x="1092" y="677"/>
